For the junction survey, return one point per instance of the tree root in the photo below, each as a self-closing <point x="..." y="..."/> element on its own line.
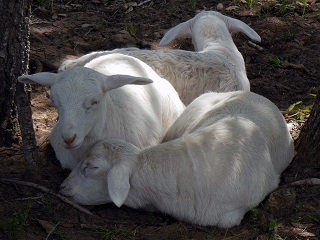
<point x="47" y="190"/>
<point x="308" y="181"/>
<point x="255" y="46"/>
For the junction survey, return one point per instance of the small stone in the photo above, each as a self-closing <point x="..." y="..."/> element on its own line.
<point x="144" y="44"/>
<point x="157" y="35"/>
<point x="85" y="25"/>
<point x="54" y="16"/>
<point x="220" y="7"/>
<point x="117" y="38"/>
<point x="62" y="15"/>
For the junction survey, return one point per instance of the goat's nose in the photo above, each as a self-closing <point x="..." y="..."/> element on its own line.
<point x="65" y="190"/>
<point x="69" y="140"/>
<point x="62" y="188"/>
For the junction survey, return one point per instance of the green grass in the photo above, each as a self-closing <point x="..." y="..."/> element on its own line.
<point x="251" y="3"/>
<point x="50" y="209"/>
<point x="15" y="224"/>
<point x="278" y="7"/>
<point x="130" y="28"/>
<point x="275" y="60"/>
<point x="299" y="111"/>
<point x="193" y="4"/>
<point x="115" y="233"/>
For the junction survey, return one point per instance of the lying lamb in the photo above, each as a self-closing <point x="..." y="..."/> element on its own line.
<point x="95" y="103"/>
<point x="229" y="154"/>
<point x="218" y="66"/>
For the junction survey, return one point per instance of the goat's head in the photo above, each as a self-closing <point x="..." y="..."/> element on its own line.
<point x="79" y="94"/>
<point x="103" y="176"/>
<point x="208" y="26"/>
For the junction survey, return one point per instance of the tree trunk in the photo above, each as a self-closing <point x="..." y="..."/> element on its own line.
<point x="15" y="106"/>
<point x="309" y="141"/>
<point x="8" y="123"/>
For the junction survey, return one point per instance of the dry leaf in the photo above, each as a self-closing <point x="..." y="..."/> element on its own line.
<point x="130" y="9"/>
<point x="232" y="8"/>
<point x="48" y="226"/>
<point x="302" y="225"/>
<point x="248" y="13"/>
<point x="130" y="4"/>
<point x="302" y="232"/>
<point x="85" y="25"/>
<point x="68" y="225"/>
<point x="306" y="234"/>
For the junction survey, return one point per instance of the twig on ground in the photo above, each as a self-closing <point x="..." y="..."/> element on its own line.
<point x="144" y="2"/>
<point x="51" y="231"/>
<point x="308" y="181"/>
<point x="255" y="46"/>
<point x="295" y="66"/>
<point x="86" y="34"/>
<point x="47" y="190"/>
<point x="29" y="198"/>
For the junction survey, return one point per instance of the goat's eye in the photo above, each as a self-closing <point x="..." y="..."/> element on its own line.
<point x="88" y="170"/>
<point x="94" y="103"/>
<point x="91" y="104"/>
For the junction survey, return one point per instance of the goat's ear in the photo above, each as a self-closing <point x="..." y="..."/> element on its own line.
<point x="116" y="81"/>
<point x="235" y="26"/>
<point x="43" y="78"/>
<point x="118" y="184"/>
<point x="181" y="30"/>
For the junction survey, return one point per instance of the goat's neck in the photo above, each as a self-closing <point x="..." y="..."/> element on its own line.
<point x="218" y="39"/>
<point x="228" y="50"/>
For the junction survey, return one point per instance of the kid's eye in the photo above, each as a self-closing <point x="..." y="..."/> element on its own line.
<point x="94" y="103"/>
<point x="88" y="170"/>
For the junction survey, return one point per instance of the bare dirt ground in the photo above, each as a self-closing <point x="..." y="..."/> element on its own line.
<point x="286" y="71"/>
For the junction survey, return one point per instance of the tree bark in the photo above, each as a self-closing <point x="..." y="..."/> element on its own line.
<point x="8" y="116"/>
<point x="308" y="146"/>
<point x="15" y="105"/>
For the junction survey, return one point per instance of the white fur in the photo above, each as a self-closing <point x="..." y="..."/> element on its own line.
<point x="94" y="104"/>
<point x="217" y="66"/>
<point x="227" y="154"/>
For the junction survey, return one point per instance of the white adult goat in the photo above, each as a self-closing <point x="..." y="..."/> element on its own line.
<point x="93" y="104"/>
<point x="218" y="66"/>
<point x="229" y="154"/>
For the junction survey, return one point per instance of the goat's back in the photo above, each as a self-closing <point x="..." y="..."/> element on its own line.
<point x="251" y="108"/>
<point x="190" y="73"/>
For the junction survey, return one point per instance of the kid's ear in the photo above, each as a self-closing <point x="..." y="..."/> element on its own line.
<point x="235" y="25"/>
<point x="116" y="81"/>
<point x="43" y="78"/>
<point x="181" y="30"/>
<point x="118" y="184"/>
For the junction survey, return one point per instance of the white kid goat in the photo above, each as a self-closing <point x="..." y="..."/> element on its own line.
<point x="217" y="66"/>
<point x="95" y="103"/>
<point x="226" y="160"/>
